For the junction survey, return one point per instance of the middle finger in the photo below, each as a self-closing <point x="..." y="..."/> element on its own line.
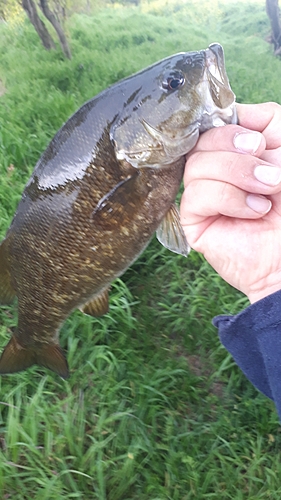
<point x="244" y="171"/>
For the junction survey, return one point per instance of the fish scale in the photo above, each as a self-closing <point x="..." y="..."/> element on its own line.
<point x="106" y="182"/>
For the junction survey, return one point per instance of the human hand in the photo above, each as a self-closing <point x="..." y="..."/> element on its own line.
<point x="231" y="205"/>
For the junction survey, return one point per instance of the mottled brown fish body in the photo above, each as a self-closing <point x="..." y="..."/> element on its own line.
<point x="104" y="185"/>
<point x="80" y="252"/>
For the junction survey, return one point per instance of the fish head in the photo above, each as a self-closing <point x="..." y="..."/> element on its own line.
<point x="170" y="104"/>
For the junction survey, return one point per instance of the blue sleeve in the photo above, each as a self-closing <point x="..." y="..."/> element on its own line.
<point x="253" y="337"/>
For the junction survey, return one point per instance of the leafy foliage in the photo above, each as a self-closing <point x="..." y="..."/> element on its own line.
<point x="155" y="408"/>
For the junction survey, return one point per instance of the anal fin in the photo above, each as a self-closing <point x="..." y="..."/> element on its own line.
<point x="98" y="306"/>
<point x="16" y="358"/>
<point x="7" y="293"/>
<point x="171" y="234"/>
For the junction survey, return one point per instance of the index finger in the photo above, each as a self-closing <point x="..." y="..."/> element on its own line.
<point x="225" y="139"/>
<point x="264" y="118"/>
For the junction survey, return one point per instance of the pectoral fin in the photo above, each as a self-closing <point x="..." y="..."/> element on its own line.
<point x="97" y="306"/>
<point x="7" y="293"/>
<point x="118" y="205"/>
<point x="16" y="358"/>
<point x="170" y="233"/>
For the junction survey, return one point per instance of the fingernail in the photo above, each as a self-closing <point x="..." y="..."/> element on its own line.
<point x="258" y="203"/>
<point x="268" y="174"/>
<point x="247" y="142"/>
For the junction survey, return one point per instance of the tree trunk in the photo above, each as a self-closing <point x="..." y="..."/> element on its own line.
<point x="273" y="13"/>
<point x="30" y="9"/>
<point x="53" y="20"/>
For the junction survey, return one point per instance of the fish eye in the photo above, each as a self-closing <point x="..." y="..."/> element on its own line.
<point x="173" y="81"/>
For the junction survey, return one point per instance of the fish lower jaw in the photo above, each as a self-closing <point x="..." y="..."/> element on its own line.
<point x="218" y="118"/>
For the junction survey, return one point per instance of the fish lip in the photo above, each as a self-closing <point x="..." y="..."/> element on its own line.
<point x="215" y="74"/>
<point x="214" y="59"/>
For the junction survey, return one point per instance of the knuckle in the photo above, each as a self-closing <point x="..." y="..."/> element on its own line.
<point x="276" y="108"/>
<point x="224" y="192"/>
<point x="239" y="169"/>
<point x="192" y="166"/>
<point x="193" y="158"/>
<point x="193" y="193"/>
<point x="191" y="190"/>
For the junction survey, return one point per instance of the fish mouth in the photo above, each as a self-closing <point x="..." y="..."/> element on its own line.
<point x="215" y="73"/>
<point x="215" y="63"/>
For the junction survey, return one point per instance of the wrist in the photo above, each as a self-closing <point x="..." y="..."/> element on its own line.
<point x="260" y="293"/>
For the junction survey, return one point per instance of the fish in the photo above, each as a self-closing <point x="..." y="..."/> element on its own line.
<point x="105" y="184"/>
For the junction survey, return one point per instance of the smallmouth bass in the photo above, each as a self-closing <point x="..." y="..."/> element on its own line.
<point x="106" y="182"/>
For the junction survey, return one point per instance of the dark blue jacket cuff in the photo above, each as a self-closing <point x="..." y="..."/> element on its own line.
<point x="253" y="337"/>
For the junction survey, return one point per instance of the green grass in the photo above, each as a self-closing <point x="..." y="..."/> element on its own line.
<point x="155" y="408"/>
